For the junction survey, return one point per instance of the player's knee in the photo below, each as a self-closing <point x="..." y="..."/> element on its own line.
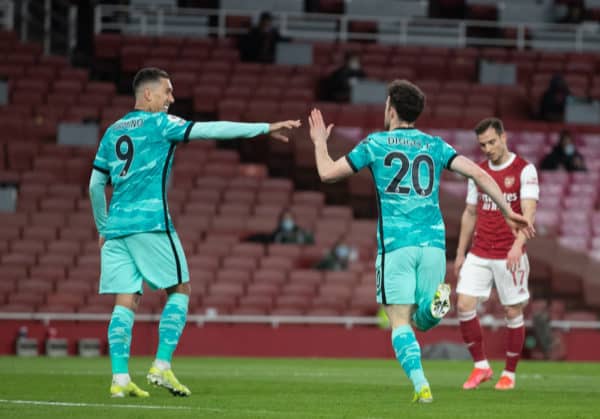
<point x="465" y="304"/>
<point x="514" y="311"/>
<point x="130" y="301"/>
<point x="184" y="288"/>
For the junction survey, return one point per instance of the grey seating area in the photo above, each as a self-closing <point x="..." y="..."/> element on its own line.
<point x="267" y="5"/>
<point x="401" y="8"/>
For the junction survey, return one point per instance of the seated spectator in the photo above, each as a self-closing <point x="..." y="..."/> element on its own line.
<point x="575" y="12"/>
<point x="338" y="258"/>
<point x="564" y="155"/>
<point x="259" y="44"/>
<point x="290" y="232"/>
<point x="552" y="106"/>
<point x="337" y="86"/>
<point x="287" y="232"/>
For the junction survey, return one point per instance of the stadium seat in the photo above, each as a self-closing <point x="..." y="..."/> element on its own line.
<point x="260" y="288"/>
<point x="75" y="287"/>
<point x="277" y="262"/>
<point x="291" y="302"/>
<point x="233" y="276"/>
<point x="34" y="247"/>
<point x="270" y="276"/>
<point x="27" y="298"/>
<point x="222" y="304"/>
<point x="246" y="263"/>
<point x="299" y="289"/>
<point x="254" y="304"/>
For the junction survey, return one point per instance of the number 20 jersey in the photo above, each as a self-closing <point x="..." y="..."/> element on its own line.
<point x="406" y="165"/>
<point x="137" y="153"/>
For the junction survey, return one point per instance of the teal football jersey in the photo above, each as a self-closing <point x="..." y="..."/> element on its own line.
<point x="136" y="152"/>
<point x="406" y="165"/>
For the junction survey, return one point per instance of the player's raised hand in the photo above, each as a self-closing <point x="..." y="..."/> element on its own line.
<point x="519" y="223"/>
<point x="276" y="129"/>
<point x="318" y="130"/>
<point x="458" y="263"/>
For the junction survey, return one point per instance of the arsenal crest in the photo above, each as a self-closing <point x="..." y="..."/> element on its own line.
<point x="509" y="181"/>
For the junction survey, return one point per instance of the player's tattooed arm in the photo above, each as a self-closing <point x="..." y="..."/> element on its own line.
<point x="329" y="171"/>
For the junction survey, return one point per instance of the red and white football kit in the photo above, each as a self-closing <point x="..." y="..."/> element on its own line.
<point x="485" y="263"/>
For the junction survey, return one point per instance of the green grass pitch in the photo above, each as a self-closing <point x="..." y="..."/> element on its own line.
<point x="64" y="388"/>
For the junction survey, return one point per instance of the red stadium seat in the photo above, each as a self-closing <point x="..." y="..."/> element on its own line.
<point x="16" y="307"/>
<point x="270" y="276"/>
<point x="222" y="304"/>
<point x="35" y="286"/>
<point x="277" y="262"/>
<point x="261" y="303"/>
<point x="263" y="289"/>
<point x="26" y="297"/>
<point x="299" y="289"/>
<point x="231" y="276"/>
<point x="75" y="287"/>
<point x="246" y="263"/>
<point x="292" y="251"/>
<point x="287" y="302"/>
<point x="18" y="259"/>
<point x="34" y="247"/>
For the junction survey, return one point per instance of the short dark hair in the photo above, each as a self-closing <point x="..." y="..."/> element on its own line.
<point x="148" y="74"/>
<point x="264" y="16"/>
<point x="488" y="123"/>
<point x="407" y="99"/>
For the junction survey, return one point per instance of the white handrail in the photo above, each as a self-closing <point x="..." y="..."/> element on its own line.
<point x="275" y="320"/>
<point x="313" y="26"/>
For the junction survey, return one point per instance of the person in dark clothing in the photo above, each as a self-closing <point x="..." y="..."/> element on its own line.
<point x="259" y="44"/>
<point x="552" y="106"/>
<point x="289" y="232"/>
<point x="564" y="155"/>
<point x="338" y="258"/>
<point x="337" y="86"/>
<point x="575" y="12"/>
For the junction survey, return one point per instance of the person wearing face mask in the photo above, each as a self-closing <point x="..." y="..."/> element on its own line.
<point x="289" y="232"/>
<point x="338" y="258"/>
<point x="564" y="155"/>
<point x="337" y="86"/>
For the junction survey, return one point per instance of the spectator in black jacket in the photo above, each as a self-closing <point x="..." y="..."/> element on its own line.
<point x="259" y="44"/>
<point x="552" y="106"/>
<point x="289" y="232"/>
<point x="564" y="155"/>
<point x="337" y="86"/>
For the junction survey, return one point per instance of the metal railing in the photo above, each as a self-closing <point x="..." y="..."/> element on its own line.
<point x="275" y="321"/>
<point x="314" y="26"/>
<point x="40" y="21"/>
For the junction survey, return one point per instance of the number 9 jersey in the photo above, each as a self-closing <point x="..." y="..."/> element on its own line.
<point x="406" y="165"/>
<point x="136" y="152"/>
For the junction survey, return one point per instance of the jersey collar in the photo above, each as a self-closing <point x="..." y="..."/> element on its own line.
<point x="504" y="165"/>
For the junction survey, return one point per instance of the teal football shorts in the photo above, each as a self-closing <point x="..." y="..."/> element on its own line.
<point x="156" y="258"/>
<point x="409" y="275"/>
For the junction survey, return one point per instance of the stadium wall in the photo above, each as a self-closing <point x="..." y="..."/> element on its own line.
<point x="327" y="341"/>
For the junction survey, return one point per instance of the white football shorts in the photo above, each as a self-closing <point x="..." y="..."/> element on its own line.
<point x="478" y="275"/>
